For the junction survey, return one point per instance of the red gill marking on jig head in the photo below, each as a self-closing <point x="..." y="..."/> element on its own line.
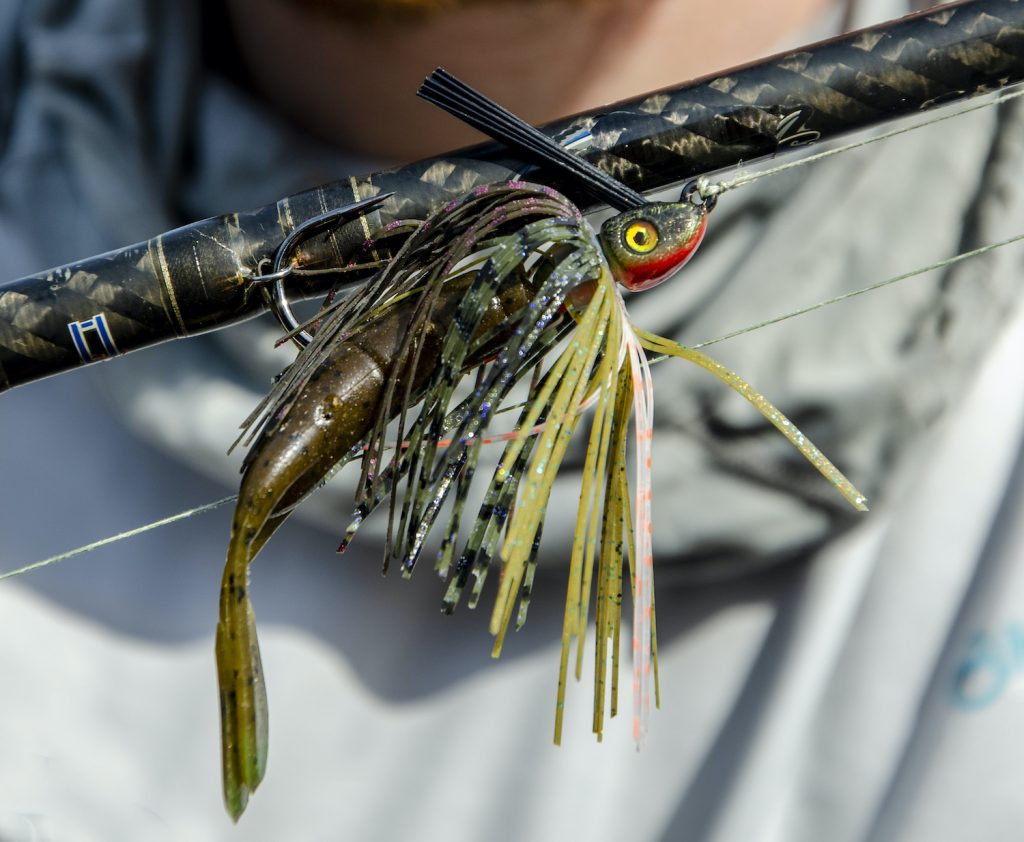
<point x="636" y="263"/>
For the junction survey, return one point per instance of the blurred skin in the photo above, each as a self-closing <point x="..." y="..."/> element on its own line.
<point x="351" y="81"/>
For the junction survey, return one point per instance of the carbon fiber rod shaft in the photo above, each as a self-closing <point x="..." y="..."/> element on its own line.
<point x="196" y="278"/>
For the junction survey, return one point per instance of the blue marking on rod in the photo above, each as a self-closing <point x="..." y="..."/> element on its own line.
<point x="98" y="325"/>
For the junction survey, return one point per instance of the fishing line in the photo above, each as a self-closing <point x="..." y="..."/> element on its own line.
<point x="940" y="264"/>
<point x="707" y="189"/>
<point x="198" y="510"/>
<point x="95" y="545"/>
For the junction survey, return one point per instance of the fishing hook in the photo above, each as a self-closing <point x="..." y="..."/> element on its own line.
<point x="277" y="298"/>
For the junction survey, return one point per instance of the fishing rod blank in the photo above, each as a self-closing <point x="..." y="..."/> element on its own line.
<point x="199" y="277"/>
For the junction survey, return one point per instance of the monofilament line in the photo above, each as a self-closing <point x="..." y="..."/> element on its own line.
<point x="941" y="264"/>
<point x="708" y="188"/>
<point x="131" y="533"/>
<point x="748" y="329"/>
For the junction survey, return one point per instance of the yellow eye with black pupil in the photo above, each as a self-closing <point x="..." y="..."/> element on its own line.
<point x="641" y="237"/>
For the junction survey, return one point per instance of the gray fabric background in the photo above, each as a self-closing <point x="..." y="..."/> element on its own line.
<point x="819" y="680"/>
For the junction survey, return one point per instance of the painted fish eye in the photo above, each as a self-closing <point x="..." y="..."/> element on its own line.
<point x="640" y="237"/>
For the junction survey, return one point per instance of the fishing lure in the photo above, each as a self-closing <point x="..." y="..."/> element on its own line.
<point x="198" y="278"/>
<point x="508" y="281"/>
